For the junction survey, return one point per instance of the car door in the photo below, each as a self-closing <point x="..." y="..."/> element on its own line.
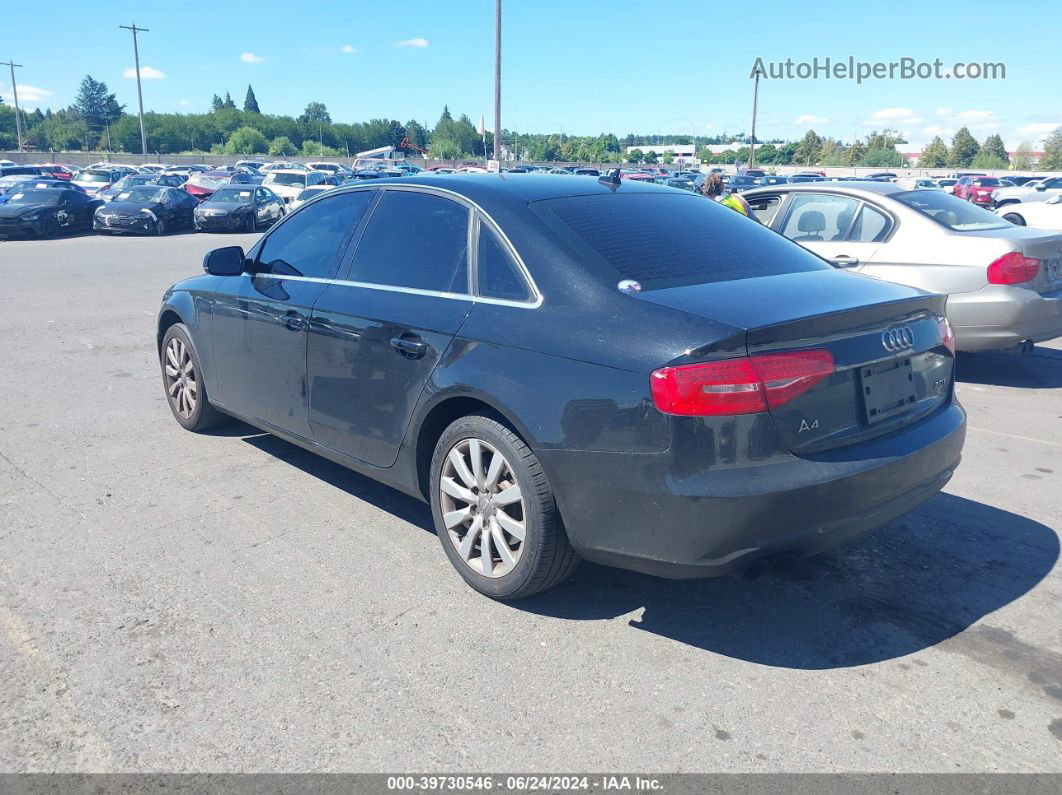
<point x="75" y="211"/>
<point x="263" y="208"/>
<point x="261" y="317"/>
<point x="834" y="227"/>
<point x="376" y="337"/>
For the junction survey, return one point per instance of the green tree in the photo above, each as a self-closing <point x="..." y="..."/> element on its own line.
<point x="217" y="103"/>
<point x="228" y="103"/>
<point x="97" y="107"/>
<point x="1023" y="156"/>
<point x="250" y="102"/>
<point x="315" y="113"/>
<point x="282" y="146"/>
<point x="246" y="141"/>
<point x="964" y="148"/>
<point x="1052" y="158"/>
<point x="650" y="157"/>
<point x="856" y="152"/>
<point x="882" y="158"/>
<point x="985" y="159"/>
<point x="935" y="155"/>
<point x="668" y="158"/>
<point x="635" y="155"/>
<point x="807" y="151"/>
<point x="993" y="147"/>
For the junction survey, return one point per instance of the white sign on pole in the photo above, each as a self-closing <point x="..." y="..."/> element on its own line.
<point x="493" y="166"/>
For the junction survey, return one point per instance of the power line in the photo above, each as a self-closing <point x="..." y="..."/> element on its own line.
<point x="14" y="91"/>
<point x="139" y="93"/>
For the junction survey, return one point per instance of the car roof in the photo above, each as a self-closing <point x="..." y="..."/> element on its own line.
<point x="298" y="171"/>
<point x="880" y="188"/>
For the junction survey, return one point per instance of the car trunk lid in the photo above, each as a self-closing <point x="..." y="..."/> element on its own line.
<point x="890" y="365"/>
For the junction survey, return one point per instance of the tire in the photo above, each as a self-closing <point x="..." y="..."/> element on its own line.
<point x="49" y="228"/>
<point x="1014" y="218"/>
<point x="251" y="224"/>
<point x="186" y="398"/>
<point x="160" y="227"/>
<point x="543" y="558"/>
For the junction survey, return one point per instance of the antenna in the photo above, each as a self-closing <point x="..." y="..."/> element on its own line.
<point x="611" y="179"/>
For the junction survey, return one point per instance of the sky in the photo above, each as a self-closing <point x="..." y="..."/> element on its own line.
<point x="668" y="67"/>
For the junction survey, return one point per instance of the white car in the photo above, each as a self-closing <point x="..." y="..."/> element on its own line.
<point x="917" y="183"/>
<point x="7" y="162"/>
<point x="94" y="180"/>
<point x="307" y="194"/>
<point x="1038" y="191"/>
<point x="155" y="168"/>
<point x="282" y="166"/>
<point x="1039" y="215"/>
<point x="288" y="183"/>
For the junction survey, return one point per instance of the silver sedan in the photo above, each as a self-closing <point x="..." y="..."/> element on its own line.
<point x="1004" y="282"/>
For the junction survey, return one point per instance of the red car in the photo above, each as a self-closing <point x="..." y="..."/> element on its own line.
<point x="202" y="184"/>
<point x="58" y="171"/>
<point x="976" y="189"/>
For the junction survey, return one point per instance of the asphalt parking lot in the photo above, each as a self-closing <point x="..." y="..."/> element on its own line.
<point x="173" y="602"/>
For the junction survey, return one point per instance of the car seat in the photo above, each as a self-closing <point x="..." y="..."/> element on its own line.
<point x="813" y="223"/>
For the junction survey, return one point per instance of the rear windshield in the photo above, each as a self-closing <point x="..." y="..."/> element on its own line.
<point x="671" y="239"/>
<point x="276" y="178"/>
<point x="94" y="176"/>
<point x="950" y="211"/>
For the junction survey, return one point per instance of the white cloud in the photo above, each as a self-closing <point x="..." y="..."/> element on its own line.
<point x="27" y="94"/>
<point x="886" y="114"/>
<point x="945" y="112"/>
<point x="810" y="118"/>
<point x="417" y="42"/>
<point x="977" y="115"/>
<point x="185" y="103"/>
<point x="348" y="49"/>
<point x="146" y="73"/>
<point x="1043" y="128"/>
<point x="250" y="57"/>
<point x="936" y="129"/>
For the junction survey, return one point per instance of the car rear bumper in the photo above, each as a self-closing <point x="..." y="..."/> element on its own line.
<point x="1000" y="317"/>
<point x="651" y="513"/>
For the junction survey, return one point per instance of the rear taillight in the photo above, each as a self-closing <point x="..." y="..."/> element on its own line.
<point x="1013" y="268"/>
<point x="738" y="386"/>
<point x="947" y="335"/>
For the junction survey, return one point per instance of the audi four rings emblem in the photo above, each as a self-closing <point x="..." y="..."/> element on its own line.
<point x="897" y="339"/>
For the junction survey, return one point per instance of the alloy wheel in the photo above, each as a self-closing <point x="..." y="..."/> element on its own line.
<point x="483" y="507"/>
<point x="181" y="385"/>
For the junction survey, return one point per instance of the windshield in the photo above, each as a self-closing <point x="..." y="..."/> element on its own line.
<point x="209" y="180"/>
<point x="276" y="178"/>
<point x="987" y="182"/>
<point x="144" y="194"/>
<point x="950" y="211"/>
<point x="49" y="197"/>
<point x="674" y="239"/>
<point x="231" y="195"/>
<point x="130" y="181"/>
<point x="94" y="176"/>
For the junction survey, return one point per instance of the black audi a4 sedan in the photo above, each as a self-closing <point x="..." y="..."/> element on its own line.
<point x="568" y="369"/>
<point x="46" y="212"/>
<point x="146" y="210"/>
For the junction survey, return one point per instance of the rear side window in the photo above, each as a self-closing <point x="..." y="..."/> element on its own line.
<point x="670" y="239"/>
<point x="415" y="240"/>
<point x="498" y="274"/>
<point x="871" y="226"/>
<point x="819" y="216"/>
<point x="308" y="242"/>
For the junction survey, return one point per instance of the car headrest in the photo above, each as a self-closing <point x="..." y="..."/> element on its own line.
<point x="811" y="221"/>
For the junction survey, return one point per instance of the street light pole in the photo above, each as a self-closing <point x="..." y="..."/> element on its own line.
<point x="14" y="91"/>
<point x="139" y="93"/>
<point x="497" y="79"/>
<point x="752" y="143"/>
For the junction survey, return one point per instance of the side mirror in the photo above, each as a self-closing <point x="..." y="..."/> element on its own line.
<point x="227" y="261"/>
<point x="1041" y="187"/>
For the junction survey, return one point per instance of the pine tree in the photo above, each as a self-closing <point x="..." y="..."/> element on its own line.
<point x="216" y="103"/>
<point x="935" y="155"/>
<point x="228" y="102"/>
<point x="964" y="148"/>
<point x="250" y="103"/>
<point x="994" y="147"/>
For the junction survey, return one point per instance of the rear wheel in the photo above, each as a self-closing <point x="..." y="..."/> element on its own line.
<point x="495" y="513"/>
<point x="181" y="376"/>
<point x="1014" y="218"/>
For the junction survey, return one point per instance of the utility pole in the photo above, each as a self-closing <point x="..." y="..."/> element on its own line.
<point x="752" y="142"/>
<point x="497" y="79"/>
<point x="139" y="93"/>
<point x="14" y="91"/>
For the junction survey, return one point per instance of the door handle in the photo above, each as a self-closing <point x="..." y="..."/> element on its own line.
<point x="293" y="321"/>
<point x="844" y="261"/>
<point x="411" y="347"/>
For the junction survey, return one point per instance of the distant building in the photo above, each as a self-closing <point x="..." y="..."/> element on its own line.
<point x="682" y="153"/>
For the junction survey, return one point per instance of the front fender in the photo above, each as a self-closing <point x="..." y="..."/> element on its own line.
<point x="192" y="307"/>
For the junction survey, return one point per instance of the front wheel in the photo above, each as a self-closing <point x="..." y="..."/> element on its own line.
<point x="250" y="224"/>
<point x="49" y="228"/>
<point x="494" y="511"/>
<point x="182" y="379"/>
<point x="160" y="227"/>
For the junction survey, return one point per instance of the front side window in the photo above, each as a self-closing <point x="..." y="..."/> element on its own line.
<point x="415" y="240"/>
<point x="308" y="243"/>
<point x="764" y="208"/>
<point x="819" y="216"/>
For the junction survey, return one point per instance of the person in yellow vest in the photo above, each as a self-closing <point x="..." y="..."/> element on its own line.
<point x="712" y="187"/>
